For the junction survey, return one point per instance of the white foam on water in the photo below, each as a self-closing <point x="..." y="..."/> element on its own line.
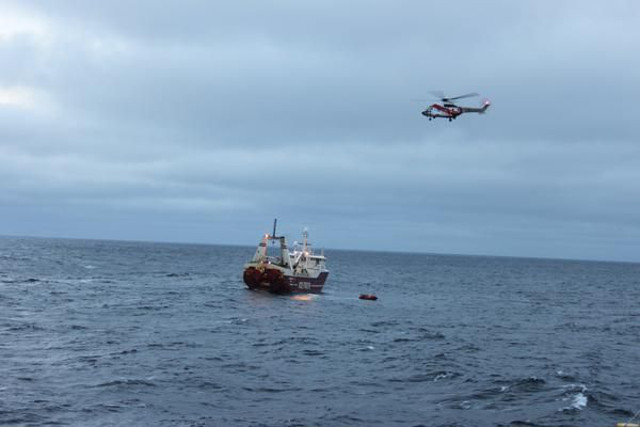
<point x="443" y="376"/>
<point x="466" y="405"/>
<point x="440" y="377"/>
<point x="579" y="401"/>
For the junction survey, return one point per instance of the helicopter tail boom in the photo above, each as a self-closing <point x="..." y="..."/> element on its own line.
<point x="481" y="110"/>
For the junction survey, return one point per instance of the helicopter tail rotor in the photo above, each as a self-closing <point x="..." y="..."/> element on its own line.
<point x="485" y="104"/>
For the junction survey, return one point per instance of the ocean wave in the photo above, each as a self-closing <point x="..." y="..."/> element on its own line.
<point x="177" y="274"/>
<point x="527" y="385"/>
<point x="131" y="382"/>
<point x="435" y="353"/>
<point x="29" y="280"/>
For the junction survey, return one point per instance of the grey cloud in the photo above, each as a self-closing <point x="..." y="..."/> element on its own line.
<point x="303" y="110"/>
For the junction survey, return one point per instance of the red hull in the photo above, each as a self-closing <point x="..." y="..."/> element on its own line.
<point x="273" y="280"/>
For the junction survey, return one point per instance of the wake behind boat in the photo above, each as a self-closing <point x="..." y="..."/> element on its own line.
<point x="294" y="271"/>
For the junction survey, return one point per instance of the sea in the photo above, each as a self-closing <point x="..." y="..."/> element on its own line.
<point x="108" y="333"/>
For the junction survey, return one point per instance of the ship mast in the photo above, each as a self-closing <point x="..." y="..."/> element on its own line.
<point x="285" y="260"/>
<point x="305" y="236"/>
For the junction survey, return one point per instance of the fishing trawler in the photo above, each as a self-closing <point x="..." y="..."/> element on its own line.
<point x="294" y="271"/>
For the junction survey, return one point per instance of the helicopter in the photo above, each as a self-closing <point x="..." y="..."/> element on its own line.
<point x="449" y="110"/>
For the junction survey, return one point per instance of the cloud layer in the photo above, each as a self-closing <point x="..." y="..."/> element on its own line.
<point x="200" y="121"/>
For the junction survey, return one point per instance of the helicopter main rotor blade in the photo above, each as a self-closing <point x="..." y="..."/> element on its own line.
<point x="467" y="95"/>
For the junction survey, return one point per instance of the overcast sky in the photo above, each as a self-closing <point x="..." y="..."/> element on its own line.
<point x="201" y="121"/>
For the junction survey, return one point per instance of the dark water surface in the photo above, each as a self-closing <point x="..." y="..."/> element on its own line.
<point x="97" y="333"/>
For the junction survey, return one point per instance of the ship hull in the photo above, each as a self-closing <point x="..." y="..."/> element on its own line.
<point x="276" y="281"/>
